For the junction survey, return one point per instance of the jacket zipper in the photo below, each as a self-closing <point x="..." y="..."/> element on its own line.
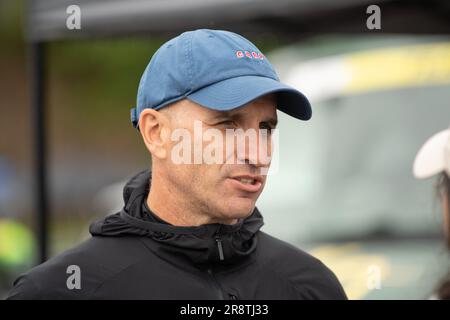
<point x="219" y="246"/>
<point x="216" y="284"/>
<point x="221" y="258"/>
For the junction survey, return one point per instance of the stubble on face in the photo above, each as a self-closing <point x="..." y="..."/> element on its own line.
<point x="204" y="193"/>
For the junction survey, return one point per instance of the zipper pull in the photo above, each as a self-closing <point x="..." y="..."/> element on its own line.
<point x="219" y="246"/>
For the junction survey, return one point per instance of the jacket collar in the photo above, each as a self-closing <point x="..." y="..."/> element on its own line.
<point x="206" y="244"/>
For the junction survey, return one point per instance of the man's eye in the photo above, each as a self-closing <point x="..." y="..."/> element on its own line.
<point x="266" y="126"/>
<point x="227" y="123"/>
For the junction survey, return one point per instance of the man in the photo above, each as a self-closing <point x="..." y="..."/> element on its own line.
<point x="190" y="228"/>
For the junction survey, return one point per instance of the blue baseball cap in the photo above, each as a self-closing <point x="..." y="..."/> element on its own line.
<point x="216" y="69"/>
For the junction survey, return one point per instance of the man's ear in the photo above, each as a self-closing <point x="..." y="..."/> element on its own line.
<point x="155" y="130"/>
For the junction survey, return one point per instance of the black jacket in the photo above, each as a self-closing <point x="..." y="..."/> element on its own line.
<point x="133" y="256"/>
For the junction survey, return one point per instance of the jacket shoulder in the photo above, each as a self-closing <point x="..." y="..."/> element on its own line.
<point x="78" y="272"/>
<point x="308" y="277"/>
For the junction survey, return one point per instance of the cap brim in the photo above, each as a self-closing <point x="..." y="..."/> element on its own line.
<point x="235" y="92"/>
<point x="430" y="159"/>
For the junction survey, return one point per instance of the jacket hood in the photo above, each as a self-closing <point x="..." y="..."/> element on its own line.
<point x="209" y="243"/>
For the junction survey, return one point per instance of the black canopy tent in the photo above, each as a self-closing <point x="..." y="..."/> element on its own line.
<point x="294" y="19"/>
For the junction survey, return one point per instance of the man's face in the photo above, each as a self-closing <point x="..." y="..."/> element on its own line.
<point x="227" y="189"/>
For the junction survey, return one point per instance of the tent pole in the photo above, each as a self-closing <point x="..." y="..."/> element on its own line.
<point x="38" y="121"/>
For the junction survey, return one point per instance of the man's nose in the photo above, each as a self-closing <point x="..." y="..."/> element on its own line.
<point x="257" y="150"/>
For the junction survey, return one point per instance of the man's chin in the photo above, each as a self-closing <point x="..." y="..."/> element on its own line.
<point x="239" y="208"/>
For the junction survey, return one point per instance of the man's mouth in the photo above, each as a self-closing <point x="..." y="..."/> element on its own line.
<point x="246" y="180"/>
<point x="247" y="183"/>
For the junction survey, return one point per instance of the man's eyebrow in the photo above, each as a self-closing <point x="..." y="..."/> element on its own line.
<point x="222" y="115"/>
<point x="273" y="121"/>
